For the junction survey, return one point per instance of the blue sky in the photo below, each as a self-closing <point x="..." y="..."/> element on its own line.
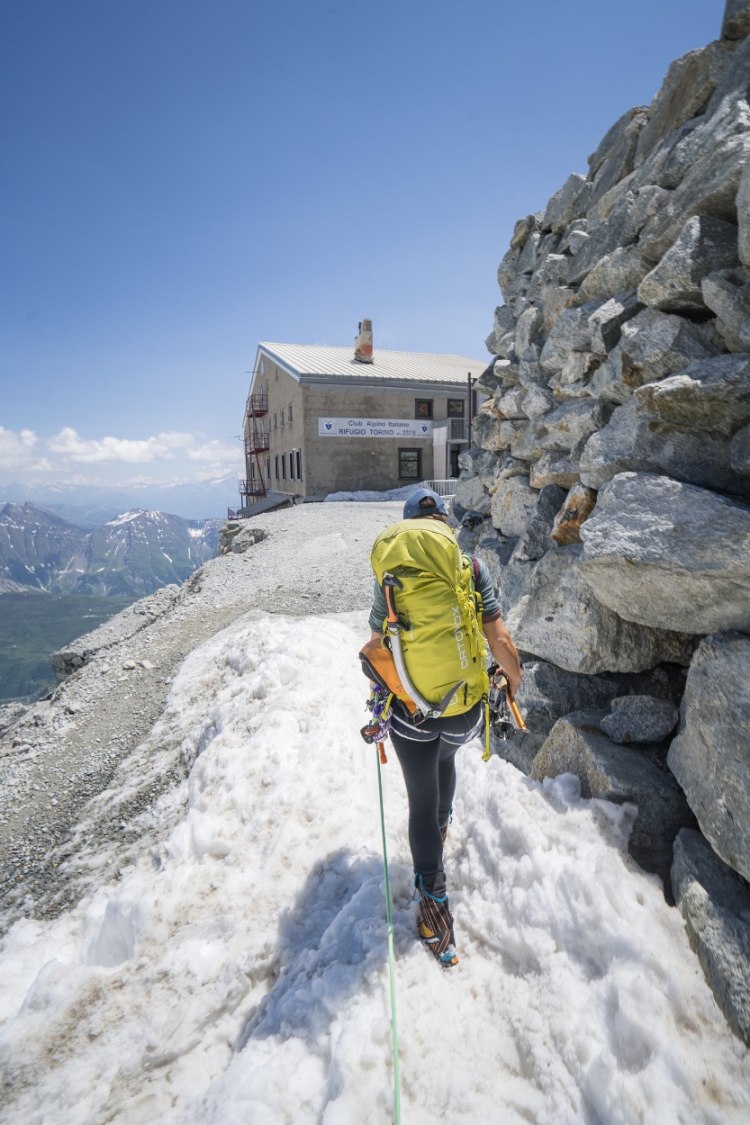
<point x="184" y="178"/>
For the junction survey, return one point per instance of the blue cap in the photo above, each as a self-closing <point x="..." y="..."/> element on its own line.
<point x="424" y="502"/>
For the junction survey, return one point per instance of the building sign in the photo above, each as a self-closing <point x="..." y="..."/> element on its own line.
<point x="375" y="428"/>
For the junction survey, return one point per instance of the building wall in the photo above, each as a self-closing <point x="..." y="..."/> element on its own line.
<point x="332" y="464"/>
<point x="342" y="463"/>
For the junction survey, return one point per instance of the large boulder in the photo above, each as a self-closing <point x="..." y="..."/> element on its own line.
<point x="684" y="93"/>
<point x="639" y="718"/>
<point x="682" y="426"/>
<point x="669" y="555"/>
<point x="715" y="904"/>
<point x="548" y="693"/>
<point x="709" y="757"/>
<point x="652" y="345"/>
<point x="560" y="620"/>
<point x="513" y="503"/>
<point x="728" y="295"/>
<point x="577" y="745"/>
<point x="708" y="188"/>
<point x="705" y="244"/>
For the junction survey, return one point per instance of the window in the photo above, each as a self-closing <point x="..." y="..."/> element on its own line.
<point x="410" y="464"/>
<point x="298" y="459"/>
<point x="291" y="465"/>
<point x="422" y="407"/>
<point x="283" y="464"/>
<point x="275" y="426"/>
<point x="268" y="468"/>
<point x="455" y="408"/>
<point x="289" y="417"/>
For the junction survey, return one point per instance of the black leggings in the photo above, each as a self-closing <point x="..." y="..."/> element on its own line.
<point x="429" y="770"/>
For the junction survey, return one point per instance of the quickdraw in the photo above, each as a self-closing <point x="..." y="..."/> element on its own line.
<point x="376" y="731"/>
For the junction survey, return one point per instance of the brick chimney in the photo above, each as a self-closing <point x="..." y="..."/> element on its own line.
<point x="363" y="343"/>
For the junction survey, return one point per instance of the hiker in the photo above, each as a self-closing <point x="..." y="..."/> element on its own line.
<point x="426" y="750"/>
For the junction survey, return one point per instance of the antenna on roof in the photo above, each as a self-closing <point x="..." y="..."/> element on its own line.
<point x="363" y="343"/>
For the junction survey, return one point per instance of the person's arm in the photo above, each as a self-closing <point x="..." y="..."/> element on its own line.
<point x="504" y="651"/>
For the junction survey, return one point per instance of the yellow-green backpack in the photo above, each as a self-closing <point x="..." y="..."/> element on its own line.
<point x="438" y="608"/>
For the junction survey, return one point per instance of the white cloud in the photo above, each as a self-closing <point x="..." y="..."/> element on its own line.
<point x="70" y="446"/>
<point x="69" y="458"/>
<point x="16" y="448"/>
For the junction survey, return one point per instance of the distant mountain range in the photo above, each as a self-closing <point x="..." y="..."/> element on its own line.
<point x="128" y="556"/>
<point x="208" y="499"/>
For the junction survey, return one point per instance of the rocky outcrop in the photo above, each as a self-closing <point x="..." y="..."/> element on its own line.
<point x="612" y="459"/>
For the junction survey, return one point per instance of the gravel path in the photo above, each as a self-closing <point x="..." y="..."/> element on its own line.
<point x="58" y="755"/>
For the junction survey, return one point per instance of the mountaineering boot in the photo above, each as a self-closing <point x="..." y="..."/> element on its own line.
<point x="435" y="921"/>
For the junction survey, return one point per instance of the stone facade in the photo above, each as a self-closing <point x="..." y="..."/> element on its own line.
<point x="621" y="379"/>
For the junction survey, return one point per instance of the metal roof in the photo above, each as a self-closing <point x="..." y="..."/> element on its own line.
<point x="319" y="363"/>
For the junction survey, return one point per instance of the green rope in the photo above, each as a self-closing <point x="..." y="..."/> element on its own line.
<point x="391" y="957"/>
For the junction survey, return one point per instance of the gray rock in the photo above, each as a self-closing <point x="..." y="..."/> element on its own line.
<point x="727" y="295"/>
<point x="504" y="323"/>
<point x="577" y="745"/>
<point x="573" y="237"/>
<point x="619" y="160"/>
<point x="612" y="143"/>
<point x="739" y="452"/>
<point x="574" y="379"/>
<point x="571" y="332"/>
<point x="652" y="345"/>
<point x="537" y="400"/>
<point x="743" y="216"/>
<point x="685" y="93"/>
<point x="472" y="495"/>
<point x="673" y="161"/>
<point x="556" y="300"/>
<point x="569" y="425"/>
<point x="708" y="188"/>
<point x="709" y="755"/>
<point x="705" y="244"/>
<point x="617" y="272"/>
<point x="554" y="468"/>
<point x="520" y="750"/>
<point x="736" y="23"/>
<point x="681" y="426"/>
<point x="639" y="718"/>
<point x="547" y="693"/>
<point x="733" y="84"/>
<point x="607" y="320"/>
<point x="508" y="403"/>
<point x="535" y="539"/>
<point x="512" y="505"/>
<point x="669" y="555"/>
<point x="560" y="620"/>
<point x="569" y="203"/>
<point x="603" y="240"/>
<point x="528" y="330"/>
<point x="715" y="904"/>
<point x="529" y="256"/>
<point x="522" y="230"/>
<point x="551" y="271"/>
<point x="507" y="273"/>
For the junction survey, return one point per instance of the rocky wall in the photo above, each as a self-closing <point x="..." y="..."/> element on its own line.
<point x="610" y="469"/>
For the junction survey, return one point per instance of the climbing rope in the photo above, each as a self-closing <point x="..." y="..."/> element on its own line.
<point x="391" y="958"/>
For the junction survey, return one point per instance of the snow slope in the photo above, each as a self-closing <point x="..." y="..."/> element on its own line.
<point x="236" y="971"/>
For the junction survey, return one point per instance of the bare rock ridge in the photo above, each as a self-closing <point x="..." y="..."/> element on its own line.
<point x="611" y="461"/>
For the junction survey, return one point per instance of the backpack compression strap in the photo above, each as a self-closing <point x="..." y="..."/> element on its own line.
<point x="393" y="632"/>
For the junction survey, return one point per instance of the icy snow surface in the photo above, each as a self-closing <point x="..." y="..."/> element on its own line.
<point x="237" y="971"/>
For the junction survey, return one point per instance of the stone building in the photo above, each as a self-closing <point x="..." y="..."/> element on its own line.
<point x="322" y="419"/>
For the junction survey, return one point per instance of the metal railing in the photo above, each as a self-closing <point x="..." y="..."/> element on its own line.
<point x="442" y="487"/>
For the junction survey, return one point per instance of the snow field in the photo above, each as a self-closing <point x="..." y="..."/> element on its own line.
<point x="236" y="971"/>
